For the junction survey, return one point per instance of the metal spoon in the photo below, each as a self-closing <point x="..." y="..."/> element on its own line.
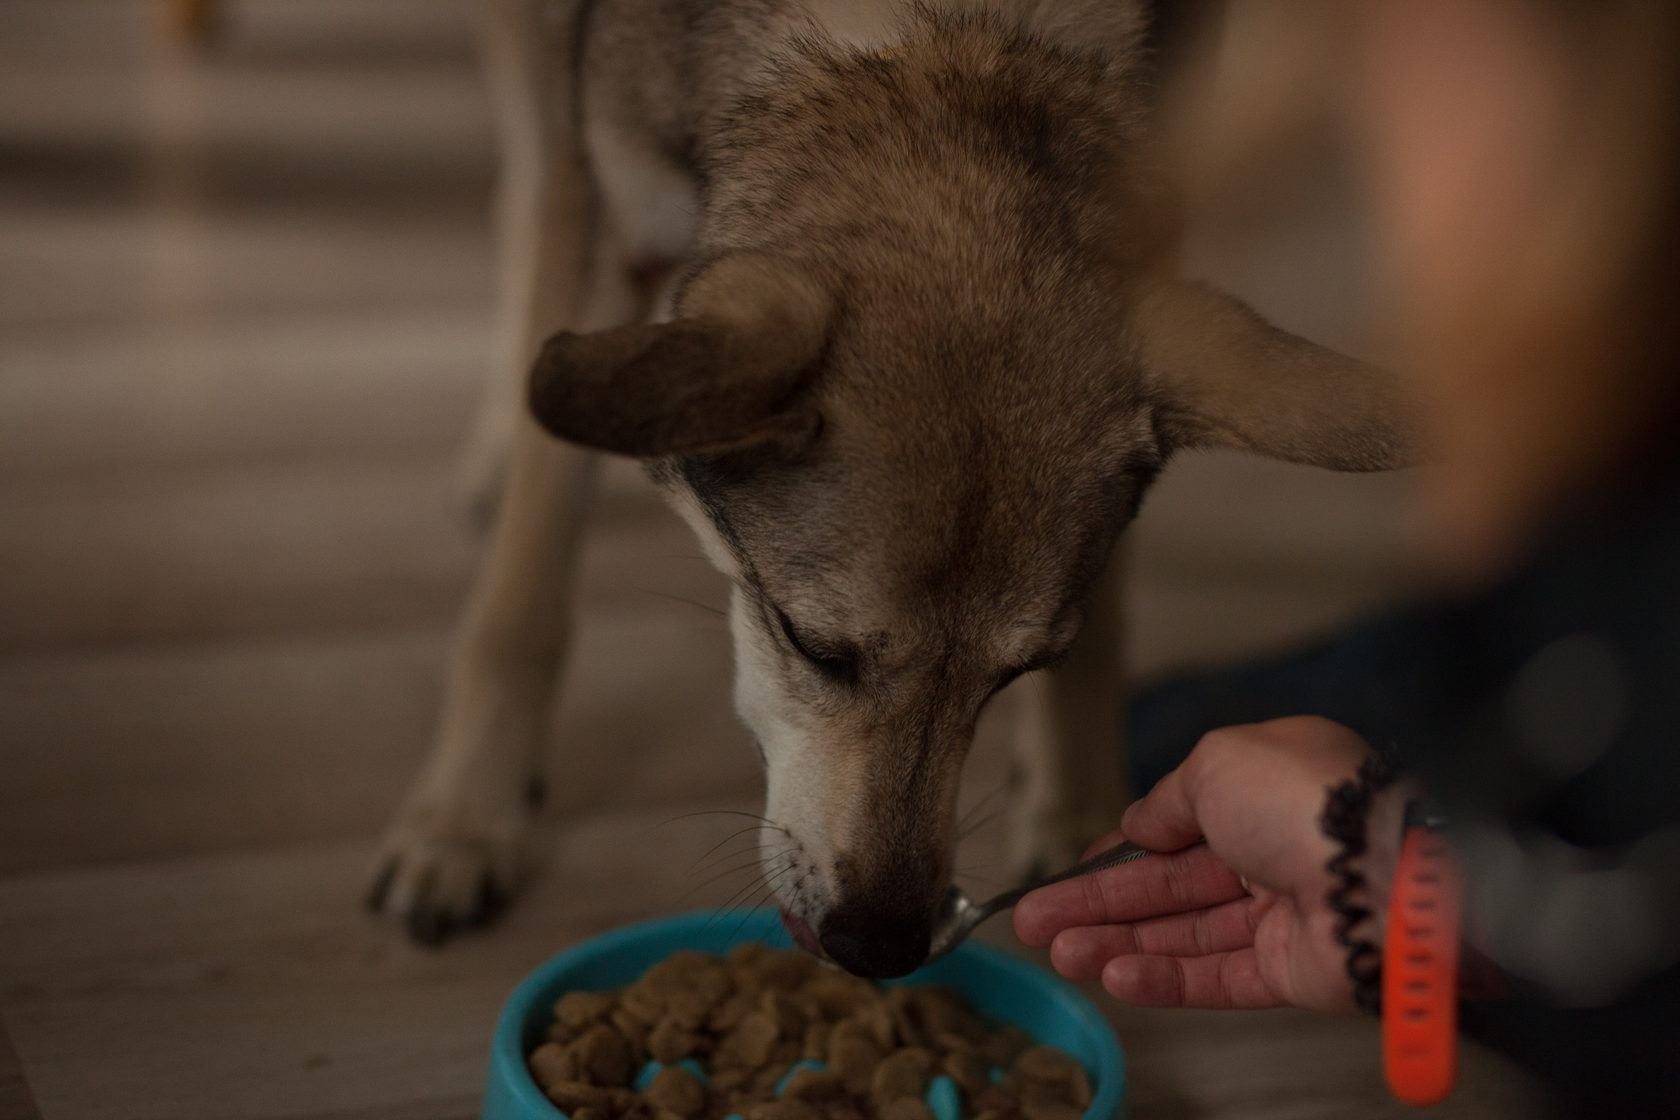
<point x="959" y="914"/>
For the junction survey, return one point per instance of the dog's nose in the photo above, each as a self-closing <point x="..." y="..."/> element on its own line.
<point x="868" y="942"/>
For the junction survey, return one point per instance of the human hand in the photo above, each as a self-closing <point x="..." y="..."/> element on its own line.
<point x="1235" y="916"/>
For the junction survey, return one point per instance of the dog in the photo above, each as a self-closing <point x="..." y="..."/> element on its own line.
<point x="879" y="292"/>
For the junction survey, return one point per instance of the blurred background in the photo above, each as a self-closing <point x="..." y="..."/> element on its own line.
<point x="245" y="293"/>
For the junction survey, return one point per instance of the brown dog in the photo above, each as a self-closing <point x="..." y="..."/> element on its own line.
<point x="924" y="360"/>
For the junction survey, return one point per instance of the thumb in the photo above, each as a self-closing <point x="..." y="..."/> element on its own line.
<point x="1163" y="820"/>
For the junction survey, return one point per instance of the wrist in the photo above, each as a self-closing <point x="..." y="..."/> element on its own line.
<point x="1360" y="873"/>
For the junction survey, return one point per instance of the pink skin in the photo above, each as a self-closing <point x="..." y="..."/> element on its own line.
<point x="1183" y="930"/>
<point x="803" y="935"/>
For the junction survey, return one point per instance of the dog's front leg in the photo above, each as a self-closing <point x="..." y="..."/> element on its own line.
<point x="1071" y="746"/>
<point x="456" y="849"/>
<point x="541" y="229"/>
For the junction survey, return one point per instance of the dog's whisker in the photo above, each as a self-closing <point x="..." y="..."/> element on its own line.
<point x="765" y="889"/>
<point x="713" y="813"/>
<point x="965" y="831"/>
<point x="987" y="799"/>
<point x="707" y="854"/>
<point x="761" y="863"/>
<point x="724" y="874"/>
<point x="707" y="607"/>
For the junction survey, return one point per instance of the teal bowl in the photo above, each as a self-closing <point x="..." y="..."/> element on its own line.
<point x="1003" y="987"/>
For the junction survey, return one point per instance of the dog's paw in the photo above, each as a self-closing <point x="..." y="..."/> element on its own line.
<point x="442" y="873"/>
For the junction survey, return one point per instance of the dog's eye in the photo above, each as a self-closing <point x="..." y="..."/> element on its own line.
<point x="832" y="664"/>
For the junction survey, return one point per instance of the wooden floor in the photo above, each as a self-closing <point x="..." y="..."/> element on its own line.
<point x="243" y="306"/>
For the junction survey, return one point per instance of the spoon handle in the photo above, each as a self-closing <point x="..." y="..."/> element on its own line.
<point x="1124" y="852"/>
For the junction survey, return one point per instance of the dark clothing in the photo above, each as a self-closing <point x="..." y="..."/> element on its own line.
<point x="1545" y="713"/>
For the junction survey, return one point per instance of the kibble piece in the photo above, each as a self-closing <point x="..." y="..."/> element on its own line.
<point x="632" y="1029"/>
<point x="782" y="1109"/>
<point x="904" y="1073"/>
<point x="579" y="1009"/>
<point x="815" y="1046"/>
<point x="787" y="971"/>
<point x="729" y="1080"/>
<point x="769" y="1076"/>
<point x="728" y="1014"/>
<point x="1052" y="1069"/>
<point x="670" y="1042"/>
<point x="780" y="1006"/>
<point x="840" y="994"/>
<point x="587" y="1113"/>
<point x="907" y="1108"/>
<point x="676" y="1090"/>
<point x="1005" y="1045"/>
<point x="573" y="1095"/>
<point x="969" y="1070"/>
<point x="552" y="1062"/>
<point x="809" y="1084"/>
<point x="747" y="953"/>
<point x="749" y="1044"/>
<point x="690" y="1009"/>
<point x="1038" y="1104"/>
<point x="853" y="1055"/>
<point x="607" y="1056"/>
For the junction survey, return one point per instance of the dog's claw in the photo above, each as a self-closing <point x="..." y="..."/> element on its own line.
<point x="381" y="886"/>
<point x="439" y="884"/>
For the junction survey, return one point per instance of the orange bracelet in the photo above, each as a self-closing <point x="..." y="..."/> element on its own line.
<point x="1420" y="966"/>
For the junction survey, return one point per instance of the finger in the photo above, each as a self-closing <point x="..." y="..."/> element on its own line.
<point x="1225" y="980"/>
<point x="1112" y="840"/>
<point x="1147" y="888"/>
<point x="1082" y="952"/>
<point x="1164" y="819"/>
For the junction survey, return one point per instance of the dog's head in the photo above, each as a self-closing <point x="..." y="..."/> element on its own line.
<point x="912" y="499"/>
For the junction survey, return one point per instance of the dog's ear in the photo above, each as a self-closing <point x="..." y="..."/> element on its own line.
<point x="1222" y="375"/>
<point x="731" y="371"/>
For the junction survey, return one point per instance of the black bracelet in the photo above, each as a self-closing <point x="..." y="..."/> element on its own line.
<point x="1343" y="820"/>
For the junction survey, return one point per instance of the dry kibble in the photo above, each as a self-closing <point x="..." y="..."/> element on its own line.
<point x="1045" y="1067"/>
<point x="780" y="1006"/>
<point x="839" y="994"/>
<point x="854" y="1060"/>
<point x="814" y="1085"/>
<point x="815" y="1046"/>
<point x="552" y="1062"/>
<point x="969" y="1070"/>
<point x="579" y="1009"/>
<point x="783" y="1109"/>
<point x="907" y="1108"/>
<point x="1039" y="1104"/>
<point x="1005" y="1046"/>
<point x="633" y="1030"/>
<point x="879" y="1022"/>
<point x="669" y="1042"/>
<point x="689" y="1009"/>
<point x="676" y="1090"/>
<point x="749" y="1043"/>
<point x="752" y="1017"/>
<point x="606" y="1056"/>
<point x="728" y="1014"/>
<point x="904" y="1073"/>
<point x="573" y="1095"/>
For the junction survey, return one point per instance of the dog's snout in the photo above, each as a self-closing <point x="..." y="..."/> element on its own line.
<point x="879" y="944"/>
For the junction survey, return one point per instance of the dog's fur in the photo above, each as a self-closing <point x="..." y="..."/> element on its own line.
<point x="926" y="355"/>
